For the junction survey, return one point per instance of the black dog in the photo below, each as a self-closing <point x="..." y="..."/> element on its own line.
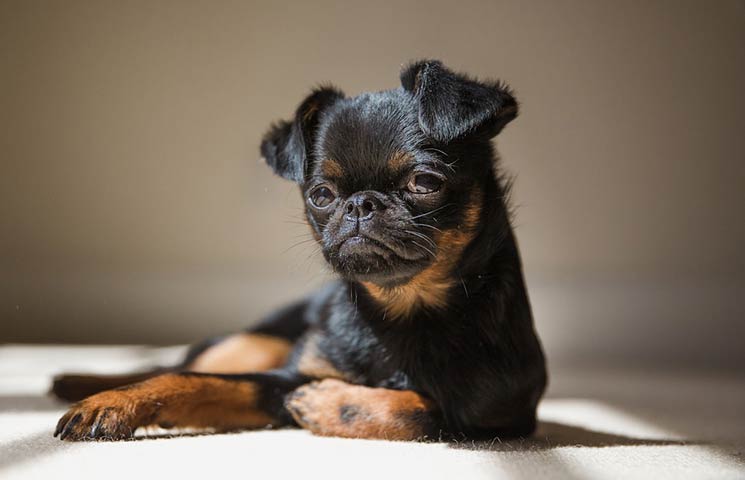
<point x="429" y="331"/>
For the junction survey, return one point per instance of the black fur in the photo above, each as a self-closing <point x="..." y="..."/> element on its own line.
<point x="286" y="147"/>
<point x="452" y="106"/>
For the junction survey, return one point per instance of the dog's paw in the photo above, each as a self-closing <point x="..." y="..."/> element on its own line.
<point x="326" y="407"/>
<point x="335" y="408"/>
<point x="111" y="415"/>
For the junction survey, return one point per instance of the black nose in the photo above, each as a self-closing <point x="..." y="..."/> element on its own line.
<point x="361" y="206"/>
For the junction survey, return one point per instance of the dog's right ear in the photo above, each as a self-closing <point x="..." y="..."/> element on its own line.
<point x="454" y="106"/>
<point x="287" y="145"/>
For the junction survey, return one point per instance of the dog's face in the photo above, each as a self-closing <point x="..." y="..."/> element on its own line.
<point x="393" y="181"/>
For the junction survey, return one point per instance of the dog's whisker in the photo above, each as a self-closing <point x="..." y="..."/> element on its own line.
<point x="303" y="242"/>
<point x="433" y="149"/>
<point x="423" y="237"/>
<point x="425" y="249"/>
<point x="424" y="225"/>
<point x="432" y="211"/>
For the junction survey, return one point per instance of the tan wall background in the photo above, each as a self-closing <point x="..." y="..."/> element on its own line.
<point x="134" y="208"/>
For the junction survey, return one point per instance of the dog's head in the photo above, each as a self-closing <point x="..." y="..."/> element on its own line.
<point x="393" y="181"/>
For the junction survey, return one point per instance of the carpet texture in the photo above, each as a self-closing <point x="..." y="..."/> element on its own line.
<point x="596" y="423"/>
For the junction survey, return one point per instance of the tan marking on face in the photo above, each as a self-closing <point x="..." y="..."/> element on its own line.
<point x="429" y="288"/>
<point x="245" y="352"/>
<point x="331" y="169"/>
<point x="313" y="363"/>
<point x="399" y="160"/>
<point x="339" y="409"/>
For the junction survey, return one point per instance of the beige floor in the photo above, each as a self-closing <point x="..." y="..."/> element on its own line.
<point x="595" y="423"/>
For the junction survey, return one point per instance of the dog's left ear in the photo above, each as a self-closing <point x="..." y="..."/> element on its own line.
<point x="287" y="146"/>
<point x="453" y="106"/>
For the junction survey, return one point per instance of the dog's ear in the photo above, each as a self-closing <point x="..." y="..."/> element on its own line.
<point x="288" y="144"/>
<point x="454" y="106"/>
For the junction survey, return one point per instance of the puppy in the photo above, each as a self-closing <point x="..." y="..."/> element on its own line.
<point x="428" y="331"/>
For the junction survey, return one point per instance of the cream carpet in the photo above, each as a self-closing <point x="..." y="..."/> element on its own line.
<point x="595" y="424"/>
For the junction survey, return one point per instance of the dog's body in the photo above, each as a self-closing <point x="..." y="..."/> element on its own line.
<point x="428" y="333"/>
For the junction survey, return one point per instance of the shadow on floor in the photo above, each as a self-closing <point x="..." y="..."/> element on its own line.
<point x="31" y="448"/>
<point x="548" y="435"/>
<point x="551" y="435"/>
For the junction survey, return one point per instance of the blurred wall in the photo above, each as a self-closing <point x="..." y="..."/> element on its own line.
<point x="134" y="207"/>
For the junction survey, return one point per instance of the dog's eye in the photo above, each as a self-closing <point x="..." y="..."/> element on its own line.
<point x="424" y="183"/>
<point x="321" y="197"/>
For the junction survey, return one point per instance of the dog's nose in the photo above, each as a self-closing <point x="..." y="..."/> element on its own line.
<point x="361" y="206"/>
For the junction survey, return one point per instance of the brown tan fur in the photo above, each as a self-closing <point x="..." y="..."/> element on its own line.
<point x="245" y="352"/>
<point x="429" y="288"/>
<point x="336" y="408"/>
<point x="170" y="400"/>
<point x="331" y="169"/>
<point x="312" y="362"/>
<point x="399" y="160"/>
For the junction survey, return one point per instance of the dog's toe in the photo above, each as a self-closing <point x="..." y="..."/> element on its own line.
<point x="105" y="416"/>
<point x="322" y="407"/>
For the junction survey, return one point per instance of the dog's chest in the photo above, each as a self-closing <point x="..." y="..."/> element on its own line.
<point x="403" y="359"/>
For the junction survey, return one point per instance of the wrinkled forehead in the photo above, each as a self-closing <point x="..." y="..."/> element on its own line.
<point x="365" y="140"/>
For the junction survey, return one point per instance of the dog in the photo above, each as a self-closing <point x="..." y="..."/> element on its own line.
<point x="427" y="333"/>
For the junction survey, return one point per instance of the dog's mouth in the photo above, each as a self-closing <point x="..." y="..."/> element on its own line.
<point x="360" y="243"/>
<point x="362" y="257"/>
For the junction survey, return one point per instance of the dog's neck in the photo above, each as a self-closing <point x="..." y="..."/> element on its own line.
<point x="432" y="289"/>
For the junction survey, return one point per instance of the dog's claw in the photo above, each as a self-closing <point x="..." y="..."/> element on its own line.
<point x="106" y="416"/>
<point x="96" y="430"/>
<point x="61" y="424"/>
<point x="68" y="430"/>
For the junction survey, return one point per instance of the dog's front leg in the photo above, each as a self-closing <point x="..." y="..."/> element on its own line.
<point x="335" y="408"/>
<point x="220" y="402"/>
